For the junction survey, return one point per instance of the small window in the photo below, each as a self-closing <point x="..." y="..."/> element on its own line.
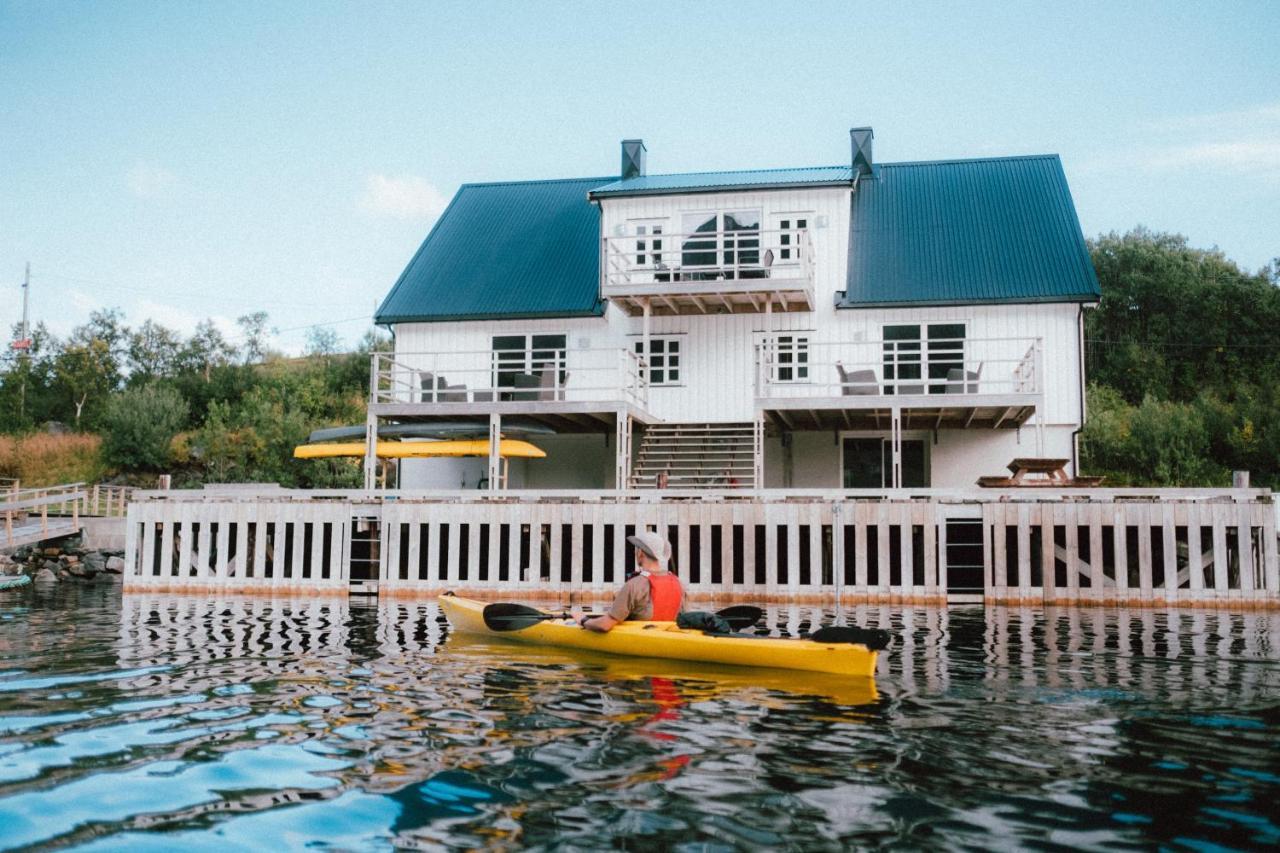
<point x="791" y="229"/>
<point x="648" y="245"/>
<point x="664" y="360"/>
<point x="791" y="358"/>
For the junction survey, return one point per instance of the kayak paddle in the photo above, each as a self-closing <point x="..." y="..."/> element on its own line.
<point x="514" y="617"/>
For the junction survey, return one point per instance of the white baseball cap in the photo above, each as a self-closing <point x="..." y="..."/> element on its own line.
<point x="653" y="544"/>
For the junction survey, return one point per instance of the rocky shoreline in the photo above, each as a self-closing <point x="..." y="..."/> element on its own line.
<point x="66" y="562"/>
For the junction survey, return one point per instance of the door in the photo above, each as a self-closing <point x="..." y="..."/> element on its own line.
<point x="868" y="463"/>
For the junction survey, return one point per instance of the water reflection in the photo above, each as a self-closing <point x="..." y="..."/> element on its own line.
<point x="164" y="721"/>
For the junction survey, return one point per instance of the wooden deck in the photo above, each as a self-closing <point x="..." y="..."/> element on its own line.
<point x="1143" y="547"/>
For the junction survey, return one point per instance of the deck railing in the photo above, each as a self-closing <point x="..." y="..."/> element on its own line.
<point x="792" y="366"/>
<point x="609" y="375"/>
<point x="709" y="262"/>
<point x="1101" y="546"/>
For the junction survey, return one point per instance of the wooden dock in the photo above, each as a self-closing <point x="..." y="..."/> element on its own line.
<point x="1134" y="547"/>
<point x="49" y="512"/>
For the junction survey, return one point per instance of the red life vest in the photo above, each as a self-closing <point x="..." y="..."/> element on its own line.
<point x="665" y="593"/>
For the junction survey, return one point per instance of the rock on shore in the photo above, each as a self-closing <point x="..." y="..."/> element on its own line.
<point x="67" y="562"/>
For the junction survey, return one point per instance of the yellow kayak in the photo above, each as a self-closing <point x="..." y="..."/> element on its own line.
<point x="509" y="448"/>
<point x="665" y="640"/>
<point x="695" y="681"/>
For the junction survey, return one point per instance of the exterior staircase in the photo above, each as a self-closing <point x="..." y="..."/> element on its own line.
<point x="696" y="456"/>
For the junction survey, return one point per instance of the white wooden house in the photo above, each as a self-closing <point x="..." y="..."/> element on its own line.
<point x="868" y="325"/>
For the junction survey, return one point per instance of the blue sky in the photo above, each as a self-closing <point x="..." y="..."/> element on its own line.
<point x="188" y="160"/>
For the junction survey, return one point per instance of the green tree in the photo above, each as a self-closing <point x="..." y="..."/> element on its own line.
<point x="139" y="426"/>
<point x="153" y="352"/>
<point x="253" y="327"/>
<point x="86" y="373"/>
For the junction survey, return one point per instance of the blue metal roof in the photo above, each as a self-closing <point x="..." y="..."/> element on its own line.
<point x="966" y="231"/>
<point x="505" y="250"/>
<point x="705" y="182"/>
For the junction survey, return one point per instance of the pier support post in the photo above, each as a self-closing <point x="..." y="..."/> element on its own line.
<point x="495" y="452"/>
<point x="622" y="451"/>
<point x="371" y="451"/>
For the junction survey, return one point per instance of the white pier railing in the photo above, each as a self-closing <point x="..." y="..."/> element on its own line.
<point x="1214" y="547"/>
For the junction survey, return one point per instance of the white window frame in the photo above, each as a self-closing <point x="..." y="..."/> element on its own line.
<point x="667" y="340"/>
<point x="788" y="235"/>
<point x="561" y="361"/>
<point x="960" y="356"/>
<point x="641" y="254"/>
<point x="800" y="349"/>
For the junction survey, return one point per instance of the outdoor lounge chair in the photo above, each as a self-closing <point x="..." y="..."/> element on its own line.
<point x="429" y="384"/>
<point x="547" y="389"/>
<point x="857" y="383"/>
<point x="527" y="385"/>
<point x="961" y="381"/>
<point x="452" y="393"/>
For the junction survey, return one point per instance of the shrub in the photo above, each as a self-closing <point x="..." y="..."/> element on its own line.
<point x="42" y="459"/>
<point x="140" y="424"/>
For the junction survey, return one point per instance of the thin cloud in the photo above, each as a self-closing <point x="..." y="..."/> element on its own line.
<point x="150" y="181"/>
<point x="401" y="197"/>
<point x="1242" y="143"/>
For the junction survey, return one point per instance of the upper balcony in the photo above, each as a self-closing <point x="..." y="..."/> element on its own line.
<point x="737" y="271"/>
<point x="575" y="390"/>
<point x="932" y="383"/>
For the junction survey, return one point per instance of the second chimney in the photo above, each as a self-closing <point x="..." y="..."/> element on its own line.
<point x="633" y="155"/>
<point x="861" y="138"/>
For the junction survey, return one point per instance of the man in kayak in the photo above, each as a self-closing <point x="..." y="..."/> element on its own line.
<point x="652" y="594"/>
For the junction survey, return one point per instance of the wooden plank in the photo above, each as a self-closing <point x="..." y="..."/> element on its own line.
<point x="576" y="513"/>
<point x="816" y="561"/>
<point x="1145" y="569"/>
<point x="883" y="532"/>
<point x="792" y="517"/>
<point x="1120" y="544"/>
<point x="1220" y="574"/>
<point x="988" y="558"/>
<point x="1068" y="517"/>
<point x="770" y="549"/>
<point x="280" y="572"/>
<point x="224" y="517"/>
<point x="999" y="549"/>
<point x="297" y="571"/>
<point x="1024" y="552"/>
<point x="474" y="520"/>
<point x="713" y="517"/>
<point x="449" y="517"/>
<point x="186" y="542"/>
<point x="1271" y="564"/>
<point x="862" y="517"/>
<point x="1169" y="547"/>
<point x="1244" y="547"/>
<point x="906" y="549"/>
<point x="1195" y="564"/>
<point x="1048" y="553"/>
<point x="435" y="571"/>
<point x="317" y="545"/>
<point x="338" y="557"/>
<point x="1097" y="569"/>
<point x="943" y="559"/>
<point x="596" y="518"/>
<point x="243" y="558"/>
<point x="203" y="548"/>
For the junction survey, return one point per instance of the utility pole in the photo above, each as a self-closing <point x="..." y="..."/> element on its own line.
<point x="24" y="343"/>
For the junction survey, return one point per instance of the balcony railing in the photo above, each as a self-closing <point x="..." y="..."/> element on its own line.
<point x="948" y="371"/>
<point x="708" y="271"/>
<point x="454" y="379"/>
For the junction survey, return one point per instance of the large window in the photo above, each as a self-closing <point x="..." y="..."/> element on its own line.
<point x="664" y="359"/>
<point x="868" y="463"/>
<point x="732" y="241"/>
<point x="922" y="365"/>
<point x="519" y="361"/>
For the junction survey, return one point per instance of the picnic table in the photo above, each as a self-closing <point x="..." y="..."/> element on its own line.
<point x="1045" y="474"/>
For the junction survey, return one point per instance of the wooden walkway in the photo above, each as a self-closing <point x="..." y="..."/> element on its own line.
<point x="37" y="514"/>
<point x="1136" y="547"/>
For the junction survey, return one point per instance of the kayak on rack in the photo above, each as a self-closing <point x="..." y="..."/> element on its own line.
<point x="666" y="640"/>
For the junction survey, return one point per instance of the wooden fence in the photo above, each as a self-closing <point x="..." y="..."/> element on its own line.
<point x="1103" y="546"/>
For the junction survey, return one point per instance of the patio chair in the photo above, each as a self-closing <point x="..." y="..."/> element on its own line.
<point x="452" y="393"/>
<point x="961" y="381"/>
<point x="547" y="389"/>
<point x="857" y="383"/>
<point x="527" y="385"/>
<point x="431" y="386"/>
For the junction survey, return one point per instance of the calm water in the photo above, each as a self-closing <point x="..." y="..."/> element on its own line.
<point x="241" y="723"/>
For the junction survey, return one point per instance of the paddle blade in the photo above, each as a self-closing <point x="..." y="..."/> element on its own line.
<point x="741" y="616"/>
<point x="873" y="638"/>
<point x="512" y="617"/>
